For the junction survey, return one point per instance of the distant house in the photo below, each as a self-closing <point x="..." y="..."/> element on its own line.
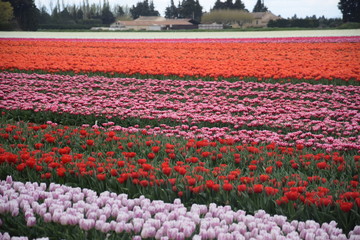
<point x="211" y="26"/>
<point x="261" y="19"/>
<point x="154" y="23"/>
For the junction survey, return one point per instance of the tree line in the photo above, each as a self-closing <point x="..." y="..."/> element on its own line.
<point x="25" y="15"/>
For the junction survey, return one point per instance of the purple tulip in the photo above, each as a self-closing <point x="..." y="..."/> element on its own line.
<point x="154" y="219"/>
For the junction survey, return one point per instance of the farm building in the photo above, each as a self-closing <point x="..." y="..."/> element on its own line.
<point x="154" y="23"/>
<point x="211" y="26"/>
<point x="261" y="19"/>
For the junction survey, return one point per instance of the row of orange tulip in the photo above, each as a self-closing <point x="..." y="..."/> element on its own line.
<point x="199" y="59"/>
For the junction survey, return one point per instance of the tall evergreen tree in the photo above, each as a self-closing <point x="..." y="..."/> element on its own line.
<point x="44" y="16"/>
<point x="79" y="15"/>
<point x="218" y="5"/>
<point x="65" y="16"/>
<point x="229" y="4"/>
<point x="143" y="9"/>
<point x="198" y="11"/>
<point x="119" y="11"/>
<point x="26" y="14"/>
<point x="350" y="10"/>
<point x="239" y="5"/>
<point x="191" y="9"/>
<point x="107" y="16"/>
<point x="172" y="11"/>
<point x="152" y="10"/>
<point x="260" y="7"/>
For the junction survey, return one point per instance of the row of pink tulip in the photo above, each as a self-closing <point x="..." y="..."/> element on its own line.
<point x="143" y="218"/>
<point x="7" y="236"/>
<point x="321" y="116"/>
<point x="337" y="39"/>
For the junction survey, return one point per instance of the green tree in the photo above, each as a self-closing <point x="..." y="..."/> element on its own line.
<point x="79" y="15"/>
<point x="65" y="17"/>
<point x="26" y="14"/>
<point x="143" y="9"/>
<point x="152" y="10"/>
<point x="260" y="7"/>
<point x="191" y="9"/>
<point x="239" y="5"/>
<point x="44" y="16"/>
<point x="172" y="11"/>
<point x="6" y="13"/>
<point x="350" y="10"/>
<point x="106" y="15"/>
<point x="119" y="11"/>
<point x="219" y="5"/>
<point x="229" y="4"/>
<point x="227" y="16"/>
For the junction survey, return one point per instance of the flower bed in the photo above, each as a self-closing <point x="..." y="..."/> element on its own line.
<point x="296" y="182"/>
<point x="114" y="214"/>
<point x="269" y="124"/>
<point x="320" y="116"/>
<point x="307" y="60"/>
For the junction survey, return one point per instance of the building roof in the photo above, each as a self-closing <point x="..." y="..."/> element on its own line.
<point x="259" y="15"/>
<point x="150" y="18"/>
<point x="150" y="21"/>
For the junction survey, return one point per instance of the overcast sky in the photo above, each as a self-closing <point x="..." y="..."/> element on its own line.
<point x="285" y="8"/>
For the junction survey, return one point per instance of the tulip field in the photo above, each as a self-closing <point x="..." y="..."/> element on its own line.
<point x="252" y="138"/>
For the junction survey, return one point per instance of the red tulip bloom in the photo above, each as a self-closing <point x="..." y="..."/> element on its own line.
<point x="295" y="165"/>
<point x="101" y="176"/>
<point x="110" y="153"/>
<point x="299" y="147"/>
<point x="66" y="158"/>
<point x="191" y="181"/>
<point x="258" y="188"/>
<point x="21" y="167"/>
<point x="346" y="206"/>
<point x="113" y="172"/>
<point x="61" y="172"/>
<point x="205" y="154"/>
<point x="271" y="191"/>
<point x="325" y="201"/>
<point x="209" y="183"/>
<point x="264" y="177"/>
<point x="252" y="167"/>
<point x="322" y="165"/>
<point x="147" y="167"/>
<point x="182" y="170"/>
<point x="269" y="170"/>
<point x="144" y="183"/>
<point x="292" y="195"/>
<point x="241" y="188"/>
<point x="121" y="179"/>
<point x="151" y="155"/>
<point x="215" y="187"/>
<point x="172" y="181"/>
<point x="166" y="171"/>
<point x="155" y="149"/>
<point x="46" y="175"/>
<point x="90" y="142"/>
<point x="357" y="201"/>
<point x="141" y="161"/>
<point x="38" y="145"/>
<point x="227" y="186"/>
